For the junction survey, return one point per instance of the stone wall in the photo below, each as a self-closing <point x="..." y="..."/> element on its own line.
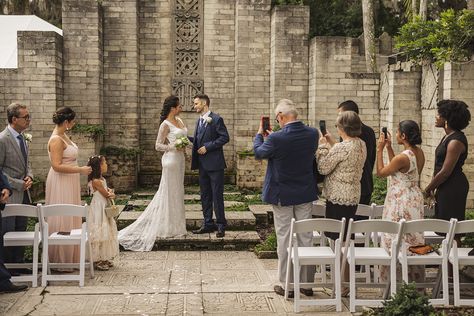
<point x="37" y="83"/>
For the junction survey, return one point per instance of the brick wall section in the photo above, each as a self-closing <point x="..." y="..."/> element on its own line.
<point x="219" y="66"/>
<point x="332" y="81"/>
<point x="458" y="83"/>
<point x="37" y="83"/>
<point x="121" y="79"/>
<point x="83" y="75"/>
<point x="155" y="85"/>
<point x="252" y="55"/>
<point x="289" y="56"/>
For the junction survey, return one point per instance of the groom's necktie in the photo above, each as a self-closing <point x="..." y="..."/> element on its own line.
<point x="22" y="147"/>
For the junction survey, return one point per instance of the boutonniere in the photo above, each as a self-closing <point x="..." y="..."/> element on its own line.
<point x="27" y="137"/>
<point x="208" y="120"/>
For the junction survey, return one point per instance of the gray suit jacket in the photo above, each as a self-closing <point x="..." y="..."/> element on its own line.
<point x="13" y="165"/>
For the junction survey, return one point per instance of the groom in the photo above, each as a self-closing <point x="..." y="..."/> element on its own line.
<point x="209" y="137"/>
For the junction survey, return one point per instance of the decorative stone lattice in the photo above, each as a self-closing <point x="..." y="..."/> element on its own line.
<point x="187" y="57"/>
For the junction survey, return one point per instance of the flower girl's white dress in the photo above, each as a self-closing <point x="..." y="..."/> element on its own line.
<point x="165" y="215"/>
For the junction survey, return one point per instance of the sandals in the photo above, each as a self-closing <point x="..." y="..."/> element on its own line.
<point x="102" y="266"/>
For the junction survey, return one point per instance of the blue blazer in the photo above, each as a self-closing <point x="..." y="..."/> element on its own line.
<point x="214" y="137"/>
<point x="4" y="184"/>
<point x="290" y="175"/>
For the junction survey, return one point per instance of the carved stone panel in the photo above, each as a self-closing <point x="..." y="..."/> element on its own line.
<point x="187" y="50"/>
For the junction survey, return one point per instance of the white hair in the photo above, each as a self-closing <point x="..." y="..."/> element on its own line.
<point x="286" y="107"/>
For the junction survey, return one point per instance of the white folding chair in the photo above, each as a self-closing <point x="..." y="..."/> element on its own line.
<point x="76" y="237"/>
<point x="439" y="257"/>
<point x="315" y="255"/>
<point x="370" y="256"/>
<point x="459" y="256"/>
<point x="26" y="238"/>
<point x="361" y="238"/>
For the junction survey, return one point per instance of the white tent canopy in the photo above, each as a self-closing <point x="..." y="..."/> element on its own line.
<point x="9" y="26"/>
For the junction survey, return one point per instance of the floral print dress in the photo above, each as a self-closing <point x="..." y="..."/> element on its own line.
<point x="404" y="200"/>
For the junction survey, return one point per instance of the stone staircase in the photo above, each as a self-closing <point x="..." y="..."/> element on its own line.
<point x="242" y="219"/>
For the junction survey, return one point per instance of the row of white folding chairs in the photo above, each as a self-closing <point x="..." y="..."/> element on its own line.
<point x="40" y="235"/>
<point x="374" y="255"/>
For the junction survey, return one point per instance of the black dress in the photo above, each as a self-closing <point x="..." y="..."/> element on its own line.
<point x="451" y="195"/>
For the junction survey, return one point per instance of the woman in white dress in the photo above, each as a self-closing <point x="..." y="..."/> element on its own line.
<point x="165" y="215"/>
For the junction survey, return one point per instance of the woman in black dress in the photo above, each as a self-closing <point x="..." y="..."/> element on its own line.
<point x="449" y="181"/>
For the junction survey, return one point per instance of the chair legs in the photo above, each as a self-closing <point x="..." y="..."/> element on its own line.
<point x="296" y="282"/>
<point x="337" y="285"/>
<point x="456" y="283"/>
<point x="35" y="266"/>
<point x="352" y="285"/>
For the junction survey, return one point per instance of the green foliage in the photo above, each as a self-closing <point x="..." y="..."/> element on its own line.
<point x="380" y="190"/>
<point x="93" y="131"/>
<point x="468" y="240"/>
<point x="270" y="244"/>
<point x="451" y="38"/>
<point x="120" y="151"/>
<point x="407" y="301"/>
<point x="344" y="18"/>
<point x="245" y="153"/>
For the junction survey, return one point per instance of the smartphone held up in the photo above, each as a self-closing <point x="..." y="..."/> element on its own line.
<point x="322" y="127"/>
<point x="385" y="132"/>
<point x="266" y="125"/>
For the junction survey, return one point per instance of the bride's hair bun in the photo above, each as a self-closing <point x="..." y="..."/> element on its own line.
<point x="170" y="102"/>
<point x="62" y="115"/>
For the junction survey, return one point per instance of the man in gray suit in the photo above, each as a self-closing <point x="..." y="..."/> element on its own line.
<point x="15" y="165"/>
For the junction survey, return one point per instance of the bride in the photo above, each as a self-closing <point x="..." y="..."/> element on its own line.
<point x="165" y="215"/>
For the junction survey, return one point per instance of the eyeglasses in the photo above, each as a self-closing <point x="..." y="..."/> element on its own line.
<point x="26" y="117"/>
<point x="276" y="118"/>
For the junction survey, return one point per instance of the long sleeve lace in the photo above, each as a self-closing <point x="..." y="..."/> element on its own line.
<point x="328" y="158"/>
<point x="162" y="143"/>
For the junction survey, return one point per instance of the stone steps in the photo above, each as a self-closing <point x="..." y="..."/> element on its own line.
<point x="235" y="220"/>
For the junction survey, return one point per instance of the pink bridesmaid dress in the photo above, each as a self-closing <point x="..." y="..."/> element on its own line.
<point x="64" y="188"/>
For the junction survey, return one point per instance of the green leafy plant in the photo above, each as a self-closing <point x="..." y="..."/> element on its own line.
<point x="91" y="130"/>
<point x="270" y="243"/>
<point x="468" y="240"/>
<point x="380" y="190"/>
<point x="451" y="38"/>
<point x="407" y="301"/>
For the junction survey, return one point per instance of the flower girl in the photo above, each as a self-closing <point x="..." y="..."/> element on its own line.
<point x="103" y="230"/>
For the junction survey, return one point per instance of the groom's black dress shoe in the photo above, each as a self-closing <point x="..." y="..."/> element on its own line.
<point x="11" y="288"/>
<point x="204" y="230"/>
<point x="220" y="233"/>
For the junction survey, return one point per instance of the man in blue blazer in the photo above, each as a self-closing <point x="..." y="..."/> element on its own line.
<point x="290" y="185"/>
<point x="5" y="284"/>
<point x="210" y="136"/>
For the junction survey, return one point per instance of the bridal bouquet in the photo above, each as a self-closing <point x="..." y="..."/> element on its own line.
<point x="181" y="142"/>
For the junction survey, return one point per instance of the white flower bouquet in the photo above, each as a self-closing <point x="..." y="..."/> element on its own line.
<point x="181" y="142"/>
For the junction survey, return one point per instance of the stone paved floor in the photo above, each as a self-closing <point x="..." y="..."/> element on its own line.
<point x="167" y="283"/>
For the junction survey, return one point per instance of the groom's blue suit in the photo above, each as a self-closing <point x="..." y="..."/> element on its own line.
<point x="211" y="165"/>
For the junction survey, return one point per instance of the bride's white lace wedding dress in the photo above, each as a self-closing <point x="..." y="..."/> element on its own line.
<point x="165" y="215"/>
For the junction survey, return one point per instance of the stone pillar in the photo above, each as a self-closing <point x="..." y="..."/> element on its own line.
<point x="38" y="84"/>
<point x="402" y="100"/>
<point x="219" y="67"/>
<point x="121" y="69"/>
<point x="252" y="81"/>
<point x="83" y="75"/>
<point x="289" y="56"/>
<point x="458" y="84"/>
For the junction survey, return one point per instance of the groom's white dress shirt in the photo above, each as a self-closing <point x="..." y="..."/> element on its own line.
<point x="204" y="117"/>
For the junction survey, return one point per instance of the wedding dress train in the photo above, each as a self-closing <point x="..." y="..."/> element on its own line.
<point x="165" y="215"/>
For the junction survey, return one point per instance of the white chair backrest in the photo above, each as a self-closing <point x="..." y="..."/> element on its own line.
<point x="20" y="210"/>
<point x="364" y="210"/>
<point x="318" y="224"/>
<point x="63" y="210"/>
<point x="378" y="211"/>
<point x="373" y="226"/>
<point x="422" y="225"/>
<point x="319" y="210"/>
<point x="464" y="227"/>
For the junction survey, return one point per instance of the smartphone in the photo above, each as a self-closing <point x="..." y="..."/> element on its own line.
<point x="266" y="124"/>
<point x="385" y="132"/>
<point x="322" y="127"/>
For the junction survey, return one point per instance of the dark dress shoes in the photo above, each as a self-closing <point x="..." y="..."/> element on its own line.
<point x="220" y="233"/>
<point x="281" y="291"/>
<point x="8" y="287"/>
<point x="204" y="230"/>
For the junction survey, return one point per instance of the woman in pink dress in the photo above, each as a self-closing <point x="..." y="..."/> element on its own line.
<point x="63" y="183"/>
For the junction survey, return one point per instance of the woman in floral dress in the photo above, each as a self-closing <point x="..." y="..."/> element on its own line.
<point x="404" y="197"/>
